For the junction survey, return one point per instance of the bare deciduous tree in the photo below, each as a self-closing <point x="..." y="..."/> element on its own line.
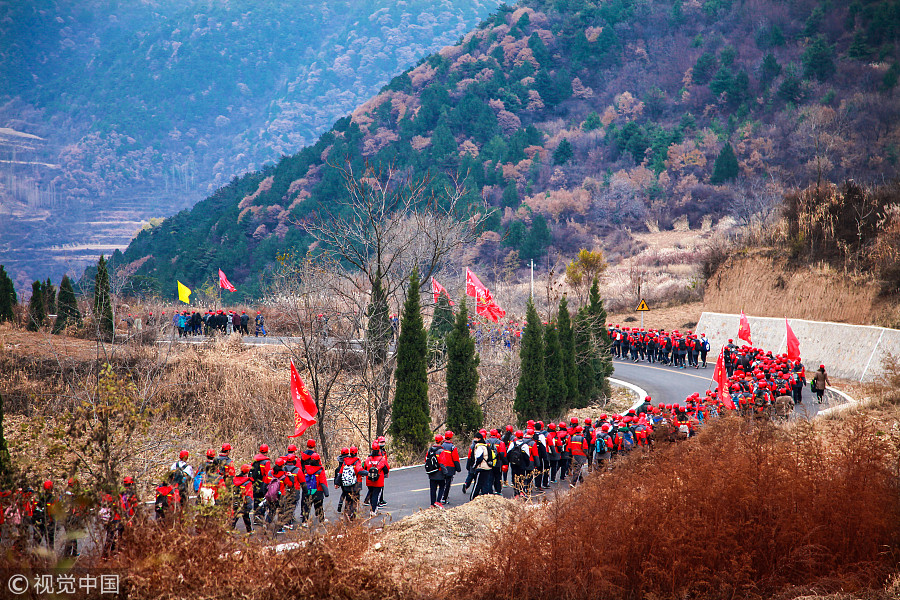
<point x="323" y="308"/>
<point x="388" y="224"/>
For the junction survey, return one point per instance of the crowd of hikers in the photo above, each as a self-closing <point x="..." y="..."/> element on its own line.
<point x="267" y="491"/>
<point x="680" y="350"/>
<point x="209" y="322"/>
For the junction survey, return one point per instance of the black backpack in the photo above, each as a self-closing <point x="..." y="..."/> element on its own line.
<point x="162" y="504"/>
<point x="431" y="461"/>
<point x="517" y="456"/>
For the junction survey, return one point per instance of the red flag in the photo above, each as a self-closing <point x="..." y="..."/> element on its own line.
<point x="305" y="408"/>
<point x="793" y="344"/>
<point x="484" y="302"/>
<point x="473" y="284"/>
<point x="744" y="330"/>
<point x="720" y="376"/>
<point x="437" y="289"/>
<point x="224" y="283"/>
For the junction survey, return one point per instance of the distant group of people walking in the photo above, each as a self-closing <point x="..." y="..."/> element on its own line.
<point x="192" y="323"/>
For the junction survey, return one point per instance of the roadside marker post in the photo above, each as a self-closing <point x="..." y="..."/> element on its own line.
<point x="642" y="308"/>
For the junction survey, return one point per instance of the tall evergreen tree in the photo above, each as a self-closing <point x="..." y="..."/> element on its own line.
<point x="557" y="391"/>
<point x="67" y="312"/>
<point x="103" y="314"/>
<point x="7" y="472"/>
<point x="441" y="326"/>
<point x="37" y="317"/>
<point x="603" y="365"/>
<point x="49" y="297"/>
<point x="567" y="344"/>
<point x="586" y="357"/>
<point x="8" y="298"/>
<point x="442" y="321"/>
<point x="463" y="411"/>
<point x="411" y="414"/>
<point x="532" y="390"/>
<point x="725" y="167"/>
<point x="378" y="332"/>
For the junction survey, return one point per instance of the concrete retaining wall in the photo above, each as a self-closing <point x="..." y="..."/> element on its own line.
<point x="847" y="351"/>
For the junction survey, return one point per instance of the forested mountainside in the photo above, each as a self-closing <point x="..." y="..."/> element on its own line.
<point x="573" y="119"/>
<point x="115" y="112"/>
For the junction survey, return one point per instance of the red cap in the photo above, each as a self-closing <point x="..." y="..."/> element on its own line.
<point x="245" y="468"/>
<point x="292" y="448"/>
<point x="375" y="446"/>
<point x="226" y="447"/>
<point x="310" y="443"/>
<point x="509" y="427"/>
<point x="129" y="480"/>
<point x="448" y="435"/>
<point x="353" y="449"/>
<point x="345" y="451"/>
<point x="552" y="426"/>
<point x="578" y="429"/>
<point x="48" y="485"/>
<point x="264" y="448"/>
<point x="183" y="454"/>
<point x="587" y="421"/>
<point x="210" y="453"/>
<point x="573" y="420"/>
<point x="438" y="439"/>
<point x="280" y="462"/>
<point x="519" y="434"/>
<point x="315" y="457"/>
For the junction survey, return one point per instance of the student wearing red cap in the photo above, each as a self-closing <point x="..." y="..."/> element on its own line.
<point x="820" y="382"/>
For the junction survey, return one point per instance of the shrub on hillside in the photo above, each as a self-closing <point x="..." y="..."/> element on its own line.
<point x="742" y="511"/>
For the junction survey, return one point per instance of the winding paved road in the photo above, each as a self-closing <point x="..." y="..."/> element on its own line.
<point x="407" y="490"/>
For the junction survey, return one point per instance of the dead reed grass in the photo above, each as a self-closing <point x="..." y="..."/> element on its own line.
<point x="743" y="511"/>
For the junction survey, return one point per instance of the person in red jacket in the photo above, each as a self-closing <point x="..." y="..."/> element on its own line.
<point x="348" y="476"/>
<point x="552" y="452"/>
<point x="259" y="471"/>
<point x="501" y="465"/>
<point x="562" y="441"/>
<point x="438" y="462"/>
<point x="578" y="448"/>
<point x="450" y="447"/>
<point x="519" y="455"/>
<point x="290" y="485"/>
<point x="316" y="489"/>
<point x="166" y="494"/>
<point x="242" y="498"/>
<point x="377" y="470"/>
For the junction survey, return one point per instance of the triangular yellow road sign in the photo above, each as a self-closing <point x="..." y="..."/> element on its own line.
<point x="643" y="306"/>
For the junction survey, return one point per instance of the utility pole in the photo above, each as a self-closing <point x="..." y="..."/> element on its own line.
<point x="532" y="280"/>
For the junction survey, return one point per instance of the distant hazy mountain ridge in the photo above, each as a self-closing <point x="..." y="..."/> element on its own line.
<point x="144" y="108"/>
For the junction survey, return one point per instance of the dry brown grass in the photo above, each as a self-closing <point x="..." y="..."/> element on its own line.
<point x="742" y="511"/>
<point x="181" y="561"/>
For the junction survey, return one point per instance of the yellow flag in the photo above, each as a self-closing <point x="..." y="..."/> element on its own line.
<point x="184" y="293"/>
